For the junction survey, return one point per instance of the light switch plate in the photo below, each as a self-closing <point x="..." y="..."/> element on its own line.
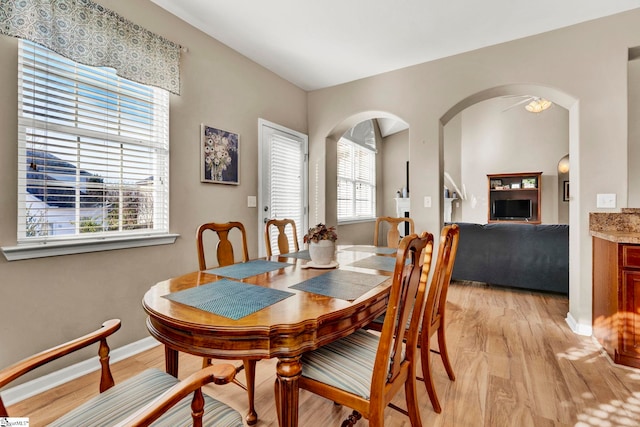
<point x="427" y="201"/>
<point x="606" y="200"/>
<point x="251" y="202"/>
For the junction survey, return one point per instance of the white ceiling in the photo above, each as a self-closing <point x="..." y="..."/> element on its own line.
<point x="316" y="44"/>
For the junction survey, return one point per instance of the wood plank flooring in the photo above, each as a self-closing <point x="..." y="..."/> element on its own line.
<point x="517" y="363"/>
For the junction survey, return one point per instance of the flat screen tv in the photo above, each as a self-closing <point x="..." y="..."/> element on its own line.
<point x="512" y="209"/>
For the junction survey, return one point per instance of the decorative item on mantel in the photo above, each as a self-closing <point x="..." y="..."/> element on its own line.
<point x="322" y="244"/>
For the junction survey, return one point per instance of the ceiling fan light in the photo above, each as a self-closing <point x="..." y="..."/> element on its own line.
<point x="538" y="105"/>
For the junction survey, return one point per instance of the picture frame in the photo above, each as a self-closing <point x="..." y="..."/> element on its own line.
<point x="495" y="183"/>
<point x="565" y="191"/>
<point x="515" y="185"/>
<point x="219" y="156"/>
<point x="529" y="183"/>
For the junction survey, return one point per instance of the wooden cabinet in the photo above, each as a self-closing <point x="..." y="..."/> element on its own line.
<point x="514" y="197"/>
<point x="616" y="300"/>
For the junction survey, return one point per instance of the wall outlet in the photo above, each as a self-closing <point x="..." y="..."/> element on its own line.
<point x="427" y="201"/>
<point x="251" y="202"/>
<point x="606" y="200"/>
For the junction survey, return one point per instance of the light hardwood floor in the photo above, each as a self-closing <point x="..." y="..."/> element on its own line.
<point x="517" y="364"/>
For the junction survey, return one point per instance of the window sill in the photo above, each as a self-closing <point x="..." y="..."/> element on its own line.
<point x="41" y="250"/>
<point x="356" y="221"/>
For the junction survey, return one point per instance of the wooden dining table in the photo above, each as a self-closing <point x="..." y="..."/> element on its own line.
<point x="300" y="322"/>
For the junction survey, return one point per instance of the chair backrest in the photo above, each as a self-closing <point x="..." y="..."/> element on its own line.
<point x="406" y="296"/>
<point x="393" y="235"/>
<point x="283" y="239"/>
<point x="437" y="296"/>
<point x="224" y="248"/>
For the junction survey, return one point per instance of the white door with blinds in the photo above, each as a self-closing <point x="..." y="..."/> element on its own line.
<point x="283" y="179"/>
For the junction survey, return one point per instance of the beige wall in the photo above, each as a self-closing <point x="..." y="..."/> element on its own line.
<point x="395" y="154"/>
<point x="452" y="164"/>
<point x="581" y="68"/>
<point x="634" y="130"/>
<point x="47" y="301"/>
<point x="494" y="138"/>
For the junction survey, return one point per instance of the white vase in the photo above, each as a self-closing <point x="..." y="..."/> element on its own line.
<point x="322" y="253"/>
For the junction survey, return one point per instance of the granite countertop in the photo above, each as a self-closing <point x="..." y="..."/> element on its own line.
<point x="622" y="227"/>
<point x="618" y="236"/>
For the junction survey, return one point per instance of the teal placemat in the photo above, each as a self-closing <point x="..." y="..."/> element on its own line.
<point x="243" y="270"/>
<point x="300" y="254"/>
<point x="233" y="300"/>
<point x="343" y="284"/>
<point x="384" y="263"/>
<point x="375" y="249"/>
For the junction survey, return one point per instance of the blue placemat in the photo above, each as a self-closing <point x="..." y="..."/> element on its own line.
<point x="230" y="299"/>
<point x="375" y="249"/>
<point x="243" y="270"/>
<point x="343" y="284"/>
<point x="384" y="263"/>
<point x="300" y="254"/>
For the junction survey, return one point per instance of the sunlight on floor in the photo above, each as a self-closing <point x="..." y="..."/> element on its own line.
<point x="590" y="350"/>
<point x="615" y="414"/>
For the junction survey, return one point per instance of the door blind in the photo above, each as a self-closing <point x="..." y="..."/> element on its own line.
<point x="286" y="184"/>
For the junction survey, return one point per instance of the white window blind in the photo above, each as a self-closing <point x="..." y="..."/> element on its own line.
<point x="356" y="181"/>
<point x="93" y="151"/>
<point x="286" y="185"/>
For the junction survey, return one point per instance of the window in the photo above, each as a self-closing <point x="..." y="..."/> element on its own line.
<point x="93" y="152"/>
<point x="357" y="177"/>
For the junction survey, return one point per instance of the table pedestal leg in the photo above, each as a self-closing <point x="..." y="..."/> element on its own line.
<point x="288" y="371"/>
<point x="171" y="361"/>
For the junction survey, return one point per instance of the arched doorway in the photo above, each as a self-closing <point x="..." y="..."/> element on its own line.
<point x="393" y="147"/>
<point x="578" y="297"/>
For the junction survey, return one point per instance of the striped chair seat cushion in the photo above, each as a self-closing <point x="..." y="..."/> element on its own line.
<point x="346" y="363"/>
<point x="380" y="320"/>
<point x="115" y="404"/>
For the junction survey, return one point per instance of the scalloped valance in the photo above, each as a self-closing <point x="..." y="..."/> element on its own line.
<point x="90" y="34"/>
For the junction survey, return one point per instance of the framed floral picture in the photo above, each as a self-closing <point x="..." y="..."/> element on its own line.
<point x="219" y="155"/>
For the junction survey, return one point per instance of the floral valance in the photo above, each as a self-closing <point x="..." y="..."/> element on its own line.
<point x="93" y="35"/>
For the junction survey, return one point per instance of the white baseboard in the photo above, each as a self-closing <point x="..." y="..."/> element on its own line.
<point x="23" y="391"/>
<point x="579" y="328"/>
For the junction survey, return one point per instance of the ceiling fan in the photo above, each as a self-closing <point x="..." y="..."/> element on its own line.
<point x="533" y="104"/>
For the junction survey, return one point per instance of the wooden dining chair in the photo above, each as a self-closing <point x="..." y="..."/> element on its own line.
<point x="149" y="396"/>
<point x="283" y="238"/>
<point x="364" y="371"/>
<point x="434" y="313"/>
<point x="224" y="248"/>
<point x="393" y="235"/>
<point x="225" y="257"/>
<point x="433" y="319"/>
